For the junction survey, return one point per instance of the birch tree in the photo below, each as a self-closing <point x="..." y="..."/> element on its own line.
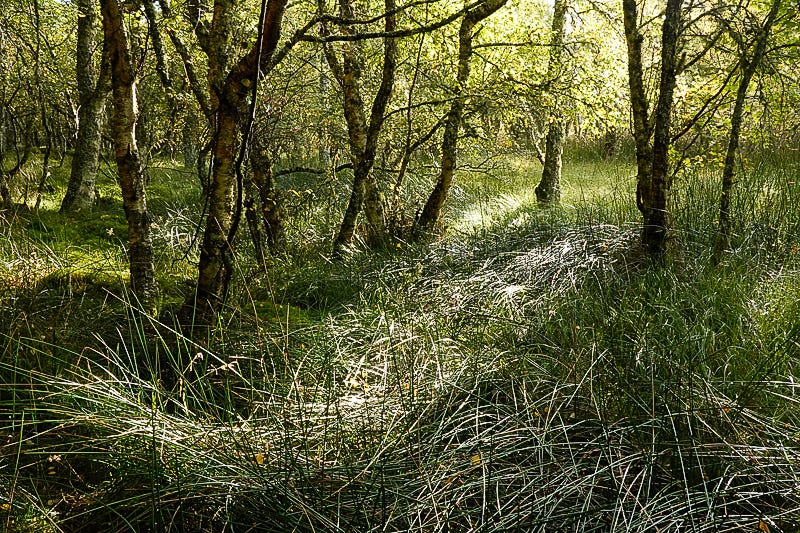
<point x="363" y="133"/>
<point x="548" y="191"/>
<point x="229" y="89"/>
<point x="130" y="172"/>
<point x="433" y="206"/>
<point x="652" y="134"/>
<point x="751" y="53"/>
<point x="93" y="88"/>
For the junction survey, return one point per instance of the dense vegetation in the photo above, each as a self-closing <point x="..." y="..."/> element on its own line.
<point x="506" y="375"/>
<point x="491" y="343"/>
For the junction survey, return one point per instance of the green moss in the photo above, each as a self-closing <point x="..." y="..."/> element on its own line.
<point x="79" y="281"/>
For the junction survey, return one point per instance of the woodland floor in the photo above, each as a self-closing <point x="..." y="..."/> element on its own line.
<point x="528" y="370"/>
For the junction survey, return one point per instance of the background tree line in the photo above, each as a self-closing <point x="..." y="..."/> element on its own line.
<point x="244" y="94"/>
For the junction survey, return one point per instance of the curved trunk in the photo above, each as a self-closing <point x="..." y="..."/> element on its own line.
<point x="5" y="192"/>
<point x="433" y="207"/>
<point x="723" y="239"/>
<point x="225" y="190"/>
<point x="364" y="135"/>
<point x="347" y="74"/>
<point x="216" y="254"/>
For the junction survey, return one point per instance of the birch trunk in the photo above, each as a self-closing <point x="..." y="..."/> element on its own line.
<point x="748" y="66"/>
<point x="656" y="219"/>
<point x="225" y="190"/>
<point x="652" y="159"/>
<point x="363" y="135"/>
<point x="548" y="192"/>
<point x="130" y="171"/>
<point x="92" y="93"/>
<point x="433" y="207"/>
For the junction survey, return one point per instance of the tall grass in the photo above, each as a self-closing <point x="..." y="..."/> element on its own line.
<point x="532" y="371"/>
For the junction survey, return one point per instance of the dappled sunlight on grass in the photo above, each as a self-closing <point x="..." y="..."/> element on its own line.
<point x="493" y="209"/>
<point x="586" y="182"/>
<point x="531" y="370"/>
<point x="480" y="200"/>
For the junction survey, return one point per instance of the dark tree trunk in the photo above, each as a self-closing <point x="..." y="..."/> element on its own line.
<point x="92" y="93"/>
<point x="433" y="207"/>
<point x="45" y="120"/>
<point x="639" y="104"/>
<point x="216" y="254"/>
<point x="548" y="192"/>
<point x="347" y="73"/>
<point x="748" y="66"/>
<point x="363" y="135"/>
<point x="5" y="191"/>
<point x="5" y="188"/>
<point x="262" y="207"/>
<point x="254" y="223"/>
<point x="131" y="174"/>
<point x="653" y="183"/>
<point x="656" y="218"/>
<point x="225" y="191"/>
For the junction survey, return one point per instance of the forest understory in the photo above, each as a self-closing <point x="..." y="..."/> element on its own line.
<point x="529" y="369"/>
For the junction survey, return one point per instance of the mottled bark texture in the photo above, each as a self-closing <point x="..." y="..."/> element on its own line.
<point x="228" y="99"/>
<point x="269" y="199"/>
<point x="362" y="133"/>
<point x="652" y="159"/>
<point x="639" y="106"/>
<point x="748" y="66"/>
<point x="548" y="192"/>
<point x="433" y="207"/>
<point x="129" y="168"/>
<point x="93" y="90"/>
